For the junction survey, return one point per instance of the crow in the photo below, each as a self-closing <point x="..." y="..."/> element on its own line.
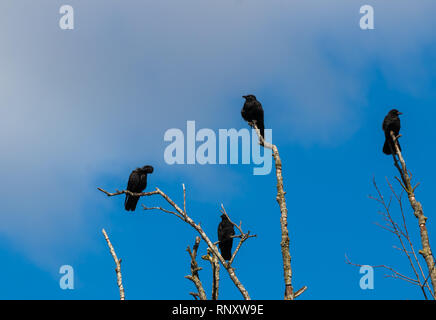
<point x="391" y="123"/>
<point x="253" y="111"/>
<point x="137" y="183"/>
<point x="225" y="233"/>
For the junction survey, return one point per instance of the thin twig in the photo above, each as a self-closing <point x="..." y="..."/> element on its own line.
<point x="118" y="265"/>
<point x="401" y="234"/>
<point x="162" y="209"/>
<point x="184" y="198"/>
<point x="194" y="276"/>
<point x="215" y="272"/>
<point x="401" y="276"/>
<point x="243" y="236"/>
<point x="135" y="194"/>
<point x="300" y="291"/>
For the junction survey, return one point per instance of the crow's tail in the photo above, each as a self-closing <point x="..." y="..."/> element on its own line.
<point x="130" y="202"/>
<point x="227" y="254"/>
<point x="389" y="147"/>
<point x="262" y="130"/>
<point x="226" y="249"/>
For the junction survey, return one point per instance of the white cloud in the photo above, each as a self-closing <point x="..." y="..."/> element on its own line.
<point x="72" y="101"/>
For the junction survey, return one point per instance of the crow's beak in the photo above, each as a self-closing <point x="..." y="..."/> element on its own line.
<point x="245" y="97"/>
<point x="400" y="112"/>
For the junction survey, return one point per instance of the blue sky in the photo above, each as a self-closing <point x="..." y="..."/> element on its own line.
<point x="80" y="109"/>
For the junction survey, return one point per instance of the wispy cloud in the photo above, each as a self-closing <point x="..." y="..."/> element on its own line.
<point x="75" y="104"/>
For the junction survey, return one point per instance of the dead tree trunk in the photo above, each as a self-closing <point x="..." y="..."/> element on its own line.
<point x="417" y="209"/>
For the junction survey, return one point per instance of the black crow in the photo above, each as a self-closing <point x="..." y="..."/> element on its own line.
<point x="391" y="123"/>
<point x="225" y="233"/>
<point x="253" y="110"/>
<point x="137" y="183"/>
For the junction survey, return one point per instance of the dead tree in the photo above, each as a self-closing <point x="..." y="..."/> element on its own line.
<point x="406" y="183"/>
<point x="182" y="215"/>
<point x="284" y="244"/>
<point x="425" y="280"/>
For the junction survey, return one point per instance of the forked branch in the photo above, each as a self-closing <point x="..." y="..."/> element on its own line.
<point x="406" y="246"/>
<point x="214" y="263"/>
<point x="182" y="215"/>
<point x="243" y="236"/>
<point x="194" y="276"/>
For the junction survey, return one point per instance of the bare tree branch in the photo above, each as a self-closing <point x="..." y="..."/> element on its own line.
<point x="403" y="236"/>
<point x="286" y="255"/>
<point x="117" y="192"/>
<point x="396" y="229"/>
<point x="194" y="276"/>
<point x="406" y="235"/>
<point x="300" y="291"/>
<point x="184" y="216"/>
<point x="164" y="210"/>
<point x="396" y="273"/>
<point x="243" y="236"/>
<point x="195" y="295"/>
<point x="215" y="272"/>
<point x="184" y="198"/>
<point x="117" y="263"/>
<point x="426" y="251"/>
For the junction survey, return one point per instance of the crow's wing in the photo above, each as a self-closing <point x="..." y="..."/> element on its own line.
<point x="244" y="113"/>
<point x="386" y="123"/>
<point x="220" y="231"/>
<point x="232" y="233"/>
<point x="259" y="111"/>
<point x="134" y="180"/>
<point x="143" y="182"/>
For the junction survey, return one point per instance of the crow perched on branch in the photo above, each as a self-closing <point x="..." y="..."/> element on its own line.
<point x="391" y="123"/>
<point x="253" y="110"/>
<point x="225" y="233"/>
<point x="137" y="183"/>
